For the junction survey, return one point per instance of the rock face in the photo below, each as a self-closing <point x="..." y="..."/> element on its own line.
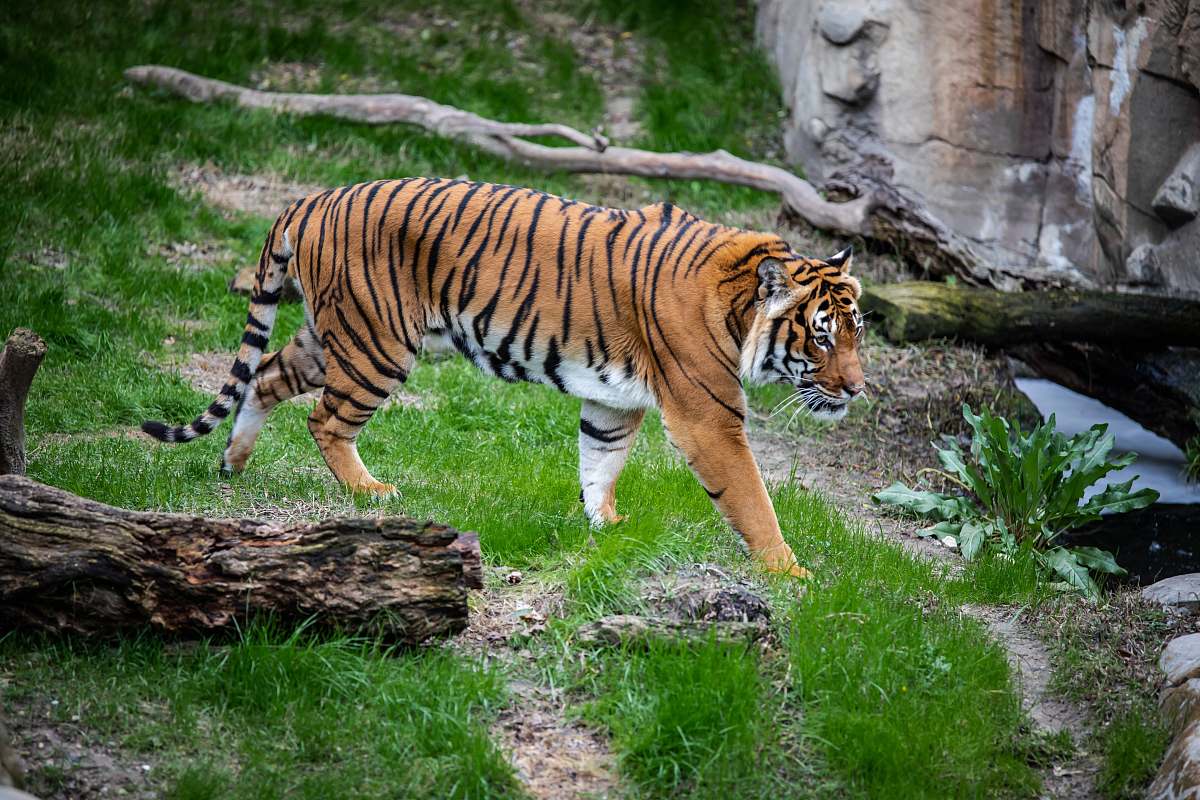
<point x="1062" y="137"/>
<point x="1179" y="774"/>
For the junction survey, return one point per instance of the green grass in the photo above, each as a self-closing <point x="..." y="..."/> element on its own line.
<point x="291" y="715"/>
<point x="706" y="86"/>
<point x="873" y="687"/>
<point x="695" y="720"/>
<point x="1132" y="748"/>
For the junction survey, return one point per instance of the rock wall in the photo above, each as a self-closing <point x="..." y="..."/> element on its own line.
<point x="1062" y="137"/>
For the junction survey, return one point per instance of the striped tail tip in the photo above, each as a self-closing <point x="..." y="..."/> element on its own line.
<point x="158" y="430"/>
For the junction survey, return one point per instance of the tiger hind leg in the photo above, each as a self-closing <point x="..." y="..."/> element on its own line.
<point x="350" y="398"/>
<point x="298" y="368"/>
<point x="605" y="437"/>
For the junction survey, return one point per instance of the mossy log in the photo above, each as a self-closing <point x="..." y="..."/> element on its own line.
<point x="918" y="310"/>
<point x="75" y="565"/>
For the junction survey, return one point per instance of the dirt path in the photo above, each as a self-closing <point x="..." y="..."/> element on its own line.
<point x="1030" y="662"/>
<point x="554" y="756"/>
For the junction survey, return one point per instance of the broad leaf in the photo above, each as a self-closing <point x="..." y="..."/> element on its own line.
<point x="1074" y="573"/>
<point x="971" y="539"/>
<point x="1099" y="560"/>
<point x="1117" y="498"/>
<point x="941" y="530"/>
<point x="926" y="504"/>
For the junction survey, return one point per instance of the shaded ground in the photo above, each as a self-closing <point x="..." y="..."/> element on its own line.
<point x="69" y="760"/>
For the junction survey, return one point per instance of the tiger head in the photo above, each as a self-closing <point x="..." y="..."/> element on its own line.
<point x="807" y="331"/>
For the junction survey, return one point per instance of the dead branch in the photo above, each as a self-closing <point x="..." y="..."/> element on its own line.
<point x="878" y="211"/>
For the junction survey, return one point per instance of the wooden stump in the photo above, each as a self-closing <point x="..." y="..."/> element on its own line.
<point x="72" y="564"/>
<point x="22" y="355"/>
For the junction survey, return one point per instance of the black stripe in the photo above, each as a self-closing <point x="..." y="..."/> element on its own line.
<point x="606" y="435"/>
<point x="550" y="367"/>
<point x="255" y="340"/>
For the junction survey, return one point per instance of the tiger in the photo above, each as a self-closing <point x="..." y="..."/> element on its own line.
<point x="628" y="310"/>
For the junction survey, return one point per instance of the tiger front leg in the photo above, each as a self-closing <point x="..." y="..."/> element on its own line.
<point x="715" y="446"/>
<point x="605" y="438"/>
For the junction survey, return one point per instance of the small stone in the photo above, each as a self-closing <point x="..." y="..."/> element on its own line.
<point x="1178" y="198"/>
<point x="1180" y="659"/>
<point x="1142" y="266"/>
<point x="513" y="578"/>
<point x="1178" y="592"/>
<point x="839" y="23"/>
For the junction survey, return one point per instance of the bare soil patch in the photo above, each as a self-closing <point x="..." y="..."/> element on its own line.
<point x="555" y="757"/>
<point x="195" y="256"/>
<point x="511" y="609"/>
<point x="260" y="195"/>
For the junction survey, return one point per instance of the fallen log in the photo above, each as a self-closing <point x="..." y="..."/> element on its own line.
<point x="917" y="310"/>
<point x="19" y="361"/>
<point x="874" y="210"/>
<point x="75" y="565"/>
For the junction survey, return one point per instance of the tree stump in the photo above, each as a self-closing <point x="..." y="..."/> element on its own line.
<point x="75" y="565"/>
<point x="20" y="359"/>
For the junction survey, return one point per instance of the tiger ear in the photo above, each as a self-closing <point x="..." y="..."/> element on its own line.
<point x="842" y="260"/>
<point x="776" y="288"/>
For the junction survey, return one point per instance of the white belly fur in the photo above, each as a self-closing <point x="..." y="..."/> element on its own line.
<point x="580" y="380"/>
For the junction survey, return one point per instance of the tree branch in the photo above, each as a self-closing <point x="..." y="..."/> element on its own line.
<point x="878" y="210"/>
<point x="592" y="154"/>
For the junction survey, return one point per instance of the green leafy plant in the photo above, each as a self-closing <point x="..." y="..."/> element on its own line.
<point x="1024" y="490"/>
<point x="1191" y="470"/>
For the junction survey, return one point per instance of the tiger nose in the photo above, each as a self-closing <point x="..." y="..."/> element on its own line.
<point x="856" y="389"/>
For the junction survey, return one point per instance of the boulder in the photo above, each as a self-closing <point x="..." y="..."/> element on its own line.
<point x="1180" y="659"/>
<point x="840" y="23"/>
<point x="1181" y="704"/>
<point x="1180" y="592"/>
<point x="1179" y="775"/>
<point x="1178" y="199"/>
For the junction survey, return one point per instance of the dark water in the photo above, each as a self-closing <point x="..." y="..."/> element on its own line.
<point x="1153" y="543"/>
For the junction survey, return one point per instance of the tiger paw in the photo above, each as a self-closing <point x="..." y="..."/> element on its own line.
<point x="793" y="570"/>
<point x="375" y="490"/>
<point x="780" y="560"/>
